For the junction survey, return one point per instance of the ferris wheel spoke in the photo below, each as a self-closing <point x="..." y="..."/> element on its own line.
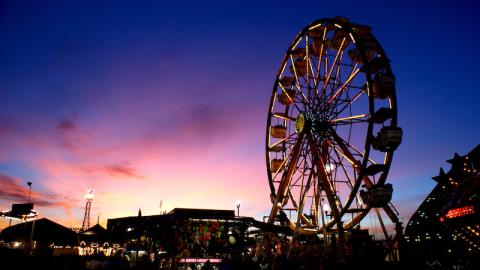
<point x="347" y="156"/>
<point x="360" y="118"/>
<point x="286" y="92"/>
<point x="329" y="164"/>
<point x="345" y="146"/>
<point x="292" y="99"/>
<point x="283" y="116"/>
<point x="333" y="81"/>
<point x="315" y="70"/>
<point x="324" y="55"/>
<point x="321" y="51"/>
<point x="300" y="173"/>
<point x="286" y="179"/>
<point x="282" y="140"/>
<point x="284" y="160"/>
<point x="336" y="78"/>
<point x="335" y="101"/>
<point x="297" y="83"/>
<point x="344" y="149"/>
<point x="349" y="102"/>
<point x="356" y="168"/>
<point x="341" y="165"/>
<point x="312" y="71"/>
<point x="327" y="79"/>
<point x="302" y="94"/>
<point x="308" y="65"/>
<point x="352" y="75"/>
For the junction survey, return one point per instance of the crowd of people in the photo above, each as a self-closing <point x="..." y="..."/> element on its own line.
<point x="269" y="253"/>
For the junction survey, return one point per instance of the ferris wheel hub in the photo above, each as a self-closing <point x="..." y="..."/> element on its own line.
<point x="300" y="123"/>
<point x="315" y="123"/>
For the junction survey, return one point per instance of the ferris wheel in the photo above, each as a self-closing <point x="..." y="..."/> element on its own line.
<point x="332" y="130"/>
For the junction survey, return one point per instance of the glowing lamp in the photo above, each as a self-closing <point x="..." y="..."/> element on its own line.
<point x="89" y="195"/>
<point x="329" y="167"/>
<point x="326" y="208"/>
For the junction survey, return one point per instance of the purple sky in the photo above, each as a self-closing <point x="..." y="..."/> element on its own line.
<point x="154" y="101"/>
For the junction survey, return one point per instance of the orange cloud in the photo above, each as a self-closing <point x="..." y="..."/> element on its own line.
<point x="12" y="191"/>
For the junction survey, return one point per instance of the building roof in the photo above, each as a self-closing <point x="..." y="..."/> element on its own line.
<point x="176" y="213"/>
<point x="45" y="231"/>
<point x="202" y="213"/>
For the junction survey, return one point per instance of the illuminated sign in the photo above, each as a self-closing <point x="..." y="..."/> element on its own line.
<point x="461" y="211"/>
<point x="198" y="260"/>
<point x="21" y="209"/>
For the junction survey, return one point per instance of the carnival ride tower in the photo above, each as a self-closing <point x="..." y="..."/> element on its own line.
<point x="88" y="206"/>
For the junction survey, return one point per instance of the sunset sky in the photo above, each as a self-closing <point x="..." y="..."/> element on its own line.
<point x="168" y="101"/>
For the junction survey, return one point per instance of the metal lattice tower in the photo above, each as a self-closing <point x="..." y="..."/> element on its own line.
<point x="88" y="206"/>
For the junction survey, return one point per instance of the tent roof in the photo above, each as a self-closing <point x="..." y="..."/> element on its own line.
<point x="95" y="229"/>
<point x="45" y="231"/>
<point x="94" y="233"/>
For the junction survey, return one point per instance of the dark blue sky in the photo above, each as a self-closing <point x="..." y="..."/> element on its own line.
<point x="81" y="79"/>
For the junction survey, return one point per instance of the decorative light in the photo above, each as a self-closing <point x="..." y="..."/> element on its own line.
<point x="329" y="167"/>
<point x="461" y="211"/>
<point x="326" y="208"/>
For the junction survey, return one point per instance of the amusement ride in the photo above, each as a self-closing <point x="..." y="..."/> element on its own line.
<point x="332" y="131"/>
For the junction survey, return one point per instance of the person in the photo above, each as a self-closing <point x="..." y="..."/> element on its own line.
<point x="265" y="264"/>
<point x="207" y="266"/>
<point x="225" y="264"/>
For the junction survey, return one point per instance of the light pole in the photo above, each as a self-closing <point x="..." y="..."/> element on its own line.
<point x="29" y="189"/>
<point x="237" y="203"/>
<point x="30" y="244"/>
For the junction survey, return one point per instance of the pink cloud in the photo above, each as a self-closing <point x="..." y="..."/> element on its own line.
<point x="66" y="125"/>
<point x="123" y="171"/>
<point x="12" y="190"/>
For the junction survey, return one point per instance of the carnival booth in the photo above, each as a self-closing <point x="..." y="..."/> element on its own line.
<point x="181" y="236"/>
<point x="94" y="240"/>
